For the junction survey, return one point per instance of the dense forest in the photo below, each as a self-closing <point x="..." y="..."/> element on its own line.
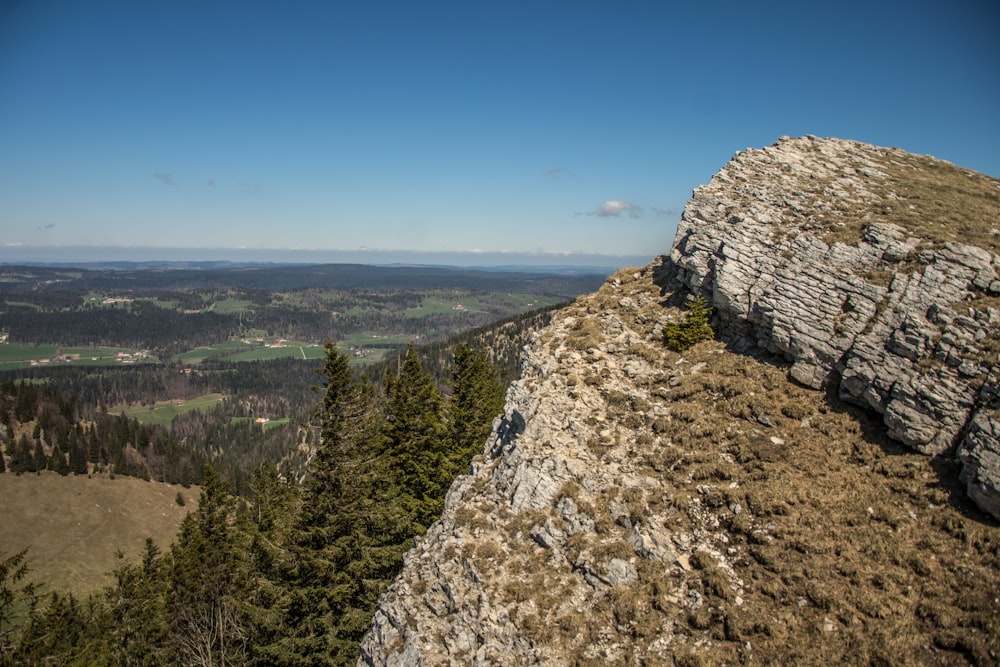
<point x="171" y="276"/>
<point x="40" y="429"/>
<point x="168" y="311"/>
<point x="289" y="574"/>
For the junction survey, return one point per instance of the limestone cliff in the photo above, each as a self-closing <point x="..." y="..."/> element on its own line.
<point x="635" y="505"/>
<point x="857" y="263"/>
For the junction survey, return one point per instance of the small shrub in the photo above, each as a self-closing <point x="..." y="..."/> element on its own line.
<point x="694" y="329"/>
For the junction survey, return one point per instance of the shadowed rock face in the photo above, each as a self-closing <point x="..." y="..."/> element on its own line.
<point x="633" y="503"/>
<point x="791" y="245"/>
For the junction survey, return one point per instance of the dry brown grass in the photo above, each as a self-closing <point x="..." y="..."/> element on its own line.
<point x="850" y="548"/>
<point x="853" y="549"/>
<point x="76" y="525"/>
<point x="931" y="199"/>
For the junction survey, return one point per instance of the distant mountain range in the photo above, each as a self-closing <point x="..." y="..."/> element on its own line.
<point x="159" y="275"/>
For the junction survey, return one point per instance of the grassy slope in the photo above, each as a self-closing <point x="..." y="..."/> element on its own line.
<point x="75" y="525"/>
<point x="851" y="547"/>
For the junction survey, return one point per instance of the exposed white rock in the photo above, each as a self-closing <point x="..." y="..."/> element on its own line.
<point x="876" y="316"/>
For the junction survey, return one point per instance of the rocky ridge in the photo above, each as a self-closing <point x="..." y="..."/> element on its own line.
<point x="635" y="505"/>
<point x="798" y="247"/>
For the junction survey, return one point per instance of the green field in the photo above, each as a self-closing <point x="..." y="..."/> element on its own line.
<point x="24" y="304"/>
<point x="442" y="304"/>
<point x="255" y="345"/>
<point x="532" y="301"/>
<point x="230" y="306"/>
<point x="163" y="413"/>
<point x="297" y="350"/>
<point x="169" y="305"/>
<point x="17" y="355"/>
<point x="199" y="354"/>
<point x="367" y="339"/>
<point x="268" y="425"/>
<point x="242" y="350"/>
<point x="361" y="346"/>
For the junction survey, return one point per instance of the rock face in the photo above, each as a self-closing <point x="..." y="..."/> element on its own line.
<point x="546" y="523"/>
<point x="634" y="505"/>
<point x="837" y="255"/>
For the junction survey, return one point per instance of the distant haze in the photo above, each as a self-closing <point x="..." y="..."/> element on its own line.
<point x="87" y="254"/>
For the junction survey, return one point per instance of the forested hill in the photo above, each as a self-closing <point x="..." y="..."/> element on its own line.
<point x="297" y="276"/>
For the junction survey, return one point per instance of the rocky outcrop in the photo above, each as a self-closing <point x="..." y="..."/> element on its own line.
<point x="553" y="520"/>
<point x="837" y="255"/>
<point x="634" y="505"/>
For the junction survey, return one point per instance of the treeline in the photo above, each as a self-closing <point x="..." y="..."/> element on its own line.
<point x="286" y="381"/>
<point x="292" y="574"/>
<point x="136" y="324"/>
<point x="237" y="446"/>
<point x="501" y="341"/>
<point x="40" y="429"/>
<point x="167" y="331"/>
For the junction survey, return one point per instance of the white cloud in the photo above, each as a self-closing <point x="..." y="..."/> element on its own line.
<point x="614" y="208"/>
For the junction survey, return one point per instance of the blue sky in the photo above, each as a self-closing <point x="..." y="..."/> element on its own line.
<point x="539" y="127"/>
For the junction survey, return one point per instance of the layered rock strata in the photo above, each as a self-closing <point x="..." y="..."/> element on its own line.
<point x="837" y="255"/>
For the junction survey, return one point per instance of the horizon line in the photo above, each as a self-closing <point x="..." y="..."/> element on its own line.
<point x="51" y="254"/>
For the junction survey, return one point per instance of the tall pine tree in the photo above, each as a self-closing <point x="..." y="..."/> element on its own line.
<point x="415" y="428"/>
<point x="476" y="398"/>
<point x="336" y="566"/>
<point x="208" y="580"/>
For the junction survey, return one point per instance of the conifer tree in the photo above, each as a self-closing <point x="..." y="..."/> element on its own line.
<point x="477" y="397"/>
<point x="22" y="459"/>
<point x="342" y="523"/>
<point x="134" y="621"/>
<point x="38" y="461"/>
<point x="18" y="597"/>
<point x="77" y="456"/>
<point x="415" y="429"/>
<point x="207" y="580"/>
<point x="57" y="461"/>
<point x="695" y="328"/>
<point x="53" y="633"/>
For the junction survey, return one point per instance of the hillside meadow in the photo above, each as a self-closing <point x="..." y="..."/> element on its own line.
<point x="76" y="526"/>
